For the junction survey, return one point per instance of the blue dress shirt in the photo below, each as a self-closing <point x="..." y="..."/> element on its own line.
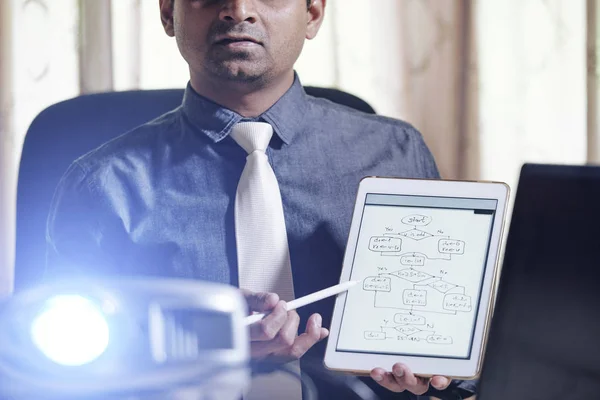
<point x="158" y="201"/>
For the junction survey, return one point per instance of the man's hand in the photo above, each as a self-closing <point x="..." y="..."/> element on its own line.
<point x="401" y="378"/>
<point x="276" y="335"/>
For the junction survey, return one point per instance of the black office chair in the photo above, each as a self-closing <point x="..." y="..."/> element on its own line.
<point x="67" y="130"/>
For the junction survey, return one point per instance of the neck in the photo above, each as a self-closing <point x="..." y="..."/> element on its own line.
<point x="249" y="99"/>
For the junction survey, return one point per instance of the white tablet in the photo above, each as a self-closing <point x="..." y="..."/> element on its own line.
<point x="425" y="253"/>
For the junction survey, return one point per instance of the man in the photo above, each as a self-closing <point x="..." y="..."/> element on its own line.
<point x="170" y="197"/>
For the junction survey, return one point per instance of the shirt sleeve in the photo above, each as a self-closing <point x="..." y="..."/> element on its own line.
<point x="77" y="236"/>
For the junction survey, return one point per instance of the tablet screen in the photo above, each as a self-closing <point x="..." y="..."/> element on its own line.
<point x="421" y="262"/>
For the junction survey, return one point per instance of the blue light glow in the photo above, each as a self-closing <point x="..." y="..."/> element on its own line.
<point x="71" y="331"/>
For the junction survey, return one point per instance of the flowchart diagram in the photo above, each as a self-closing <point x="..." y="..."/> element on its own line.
<point x="416" y="295"/>
<point x="410" y="327"/>
<point x="391" y="244"/>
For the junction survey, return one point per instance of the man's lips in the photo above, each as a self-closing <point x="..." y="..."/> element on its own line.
<point x="232" y="40"/>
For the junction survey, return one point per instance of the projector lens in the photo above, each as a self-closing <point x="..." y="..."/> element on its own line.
<point x="71" y="330"/>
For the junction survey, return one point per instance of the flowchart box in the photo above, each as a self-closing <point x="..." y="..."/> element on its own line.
<point x="451" y="246"/>
<point x="384" y="244"/>
<point x="412" y="297"/>
<point x="377" y="284"/>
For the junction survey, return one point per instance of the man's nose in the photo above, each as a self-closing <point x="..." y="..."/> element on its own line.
<point x="238" y="11"/>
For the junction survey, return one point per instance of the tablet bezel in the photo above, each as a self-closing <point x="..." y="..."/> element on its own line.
<point x="363" y="363"/>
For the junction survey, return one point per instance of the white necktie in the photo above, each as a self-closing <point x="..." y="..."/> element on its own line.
<point x="262" y="245"/>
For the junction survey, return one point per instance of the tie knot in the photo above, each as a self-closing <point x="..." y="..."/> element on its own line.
<point x="252" y="136"/>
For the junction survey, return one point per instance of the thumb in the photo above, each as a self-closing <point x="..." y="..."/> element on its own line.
<point x="440" y="382"/>
<point x="261" y="301"/>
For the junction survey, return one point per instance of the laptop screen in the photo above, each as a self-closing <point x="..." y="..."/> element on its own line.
<point x="545" y="334"/>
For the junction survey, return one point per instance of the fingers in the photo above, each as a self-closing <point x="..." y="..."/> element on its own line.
<point x="313" y="334"/>
<point x="268" y="328"/>
<point x="405" y="377"/>
<point x="323" y="333"/>
<point x="260" y="301"/>
<point x="401" y="378"/>
<point x="289" y="331"/>
<point x="273" y="342"/>
<point x="286" y="350"/>
<point x="387" y="380"/>
<point x="440" y="382"/>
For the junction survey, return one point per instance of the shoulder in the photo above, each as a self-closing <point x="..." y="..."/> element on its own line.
<point x="360" y="131"/>
<point x="347" y="117"/>
<point x="137" y="143"/>
<point x="118" y="164"/>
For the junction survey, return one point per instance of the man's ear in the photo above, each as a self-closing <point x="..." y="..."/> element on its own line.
<point x="316" y="13"/>
<point x="166" y="16"/>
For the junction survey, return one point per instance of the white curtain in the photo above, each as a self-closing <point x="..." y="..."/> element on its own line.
<point x="593" y="87"/>
<point x="7" y="157"/>
<point x="489" y="83"/>
<point x="39" y="64"/>
<point x="404" y="58"/>
<point x="532" y="84"/>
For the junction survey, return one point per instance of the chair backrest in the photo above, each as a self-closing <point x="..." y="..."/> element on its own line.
<point x="69" y="129"/>
<point x="340" y="97"/>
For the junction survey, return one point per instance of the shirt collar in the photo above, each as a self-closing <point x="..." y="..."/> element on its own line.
<point x="287" y="115"/>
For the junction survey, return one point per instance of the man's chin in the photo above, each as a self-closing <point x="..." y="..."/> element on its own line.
<point x="240" y="72"/>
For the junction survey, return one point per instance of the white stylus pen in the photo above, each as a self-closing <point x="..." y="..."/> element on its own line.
<point x="308" y="299"/>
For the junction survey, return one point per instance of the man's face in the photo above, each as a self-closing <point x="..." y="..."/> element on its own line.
<point x="240" y="40"/>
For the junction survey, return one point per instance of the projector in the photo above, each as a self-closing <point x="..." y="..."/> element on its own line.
<point x="123" y="339"/>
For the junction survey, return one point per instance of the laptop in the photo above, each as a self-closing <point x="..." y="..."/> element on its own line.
<point x="544" y="340"/>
